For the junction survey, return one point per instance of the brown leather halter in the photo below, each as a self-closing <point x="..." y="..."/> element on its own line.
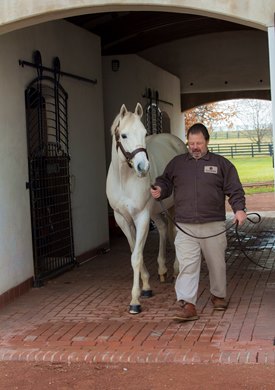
<point x="128" y="155"/>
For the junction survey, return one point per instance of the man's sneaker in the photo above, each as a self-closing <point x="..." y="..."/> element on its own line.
<point x="186" y="312"/>
<point x="219" y="303"/>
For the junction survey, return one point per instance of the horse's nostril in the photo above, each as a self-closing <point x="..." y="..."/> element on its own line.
<point x="140" y="167"/>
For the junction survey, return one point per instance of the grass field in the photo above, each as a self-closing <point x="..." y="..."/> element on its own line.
<point x="258" y="190"/>
<point x="253" y="170"/>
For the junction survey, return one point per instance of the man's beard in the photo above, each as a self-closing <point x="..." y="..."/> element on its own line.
<point x="197" y="153"/>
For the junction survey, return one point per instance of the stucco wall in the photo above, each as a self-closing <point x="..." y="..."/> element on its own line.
<point x="79" y="53"/>
<point x="129" y="84"/>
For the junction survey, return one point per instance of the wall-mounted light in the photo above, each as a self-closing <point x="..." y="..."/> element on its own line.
<point x="115" y="65"/>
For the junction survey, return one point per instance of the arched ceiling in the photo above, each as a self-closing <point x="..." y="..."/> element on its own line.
<point x="139" y="32"/>
<point x="132" y="32"/>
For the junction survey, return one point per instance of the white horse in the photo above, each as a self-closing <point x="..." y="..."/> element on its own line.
<point x="137" y="160"/>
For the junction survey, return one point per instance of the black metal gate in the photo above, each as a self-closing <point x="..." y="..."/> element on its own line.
<point x="49" y="177"/>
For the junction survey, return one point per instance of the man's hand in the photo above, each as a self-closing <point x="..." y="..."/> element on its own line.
<point x="240" y="216"/>
<point x="155" y="191"/>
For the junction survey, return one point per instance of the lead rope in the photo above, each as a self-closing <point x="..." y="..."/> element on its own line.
<point x="240" y="242"/>
<point x="215" y="235"/>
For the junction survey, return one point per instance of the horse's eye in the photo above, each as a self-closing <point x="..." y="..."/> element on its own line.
<point x="123" y="136"/>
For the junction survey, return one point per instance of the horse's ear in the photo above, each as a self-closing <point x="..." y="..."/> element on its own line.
<point x="123" y="111"/>
<point x="139" y="110"/>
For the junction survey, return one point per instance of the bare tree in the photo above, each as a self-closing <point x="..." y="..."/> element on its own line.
<point x="256" y="118"/>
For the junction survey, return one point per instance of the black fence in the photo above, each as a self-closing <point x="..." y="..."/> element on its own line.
<point x="242" y="149"/>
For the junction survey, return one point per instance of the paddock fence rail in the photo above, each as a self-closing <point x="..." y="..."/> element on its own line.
<point x="242" y="149"/>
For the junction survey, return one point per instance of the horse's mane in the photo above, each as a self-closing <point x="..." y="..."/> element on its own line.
<point x="115" y="124"/>
<point x="118" y="118"/>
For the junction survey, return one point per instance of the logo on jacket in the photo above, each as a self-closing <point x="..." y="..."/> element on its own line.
<point x="210" y="169"/>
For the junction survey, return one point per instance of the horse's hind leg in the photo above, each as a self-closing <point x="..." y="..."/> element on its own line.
<point x="171" y="237"/>
<point x="162" y="229"/>
<point x="175" y="268"/>
<point x="144" y="274"/>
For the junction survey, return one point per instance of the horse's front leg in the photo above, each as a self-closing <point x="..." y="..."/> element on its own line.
<point x="128" y="229"/>
<point x="139" y="269"/>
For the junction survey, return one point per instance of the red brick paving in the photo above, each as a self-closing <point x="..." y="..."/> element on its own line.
<point x="82" y="315"/>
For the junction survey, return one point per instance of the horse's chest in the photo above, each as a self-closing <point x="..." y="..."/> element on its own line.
<point x="132" y="204"/>
<point x="128" y="195"/>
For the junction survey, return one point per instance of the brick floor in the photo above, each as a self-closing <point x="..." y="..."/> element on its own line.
<point x="83" y="314"/>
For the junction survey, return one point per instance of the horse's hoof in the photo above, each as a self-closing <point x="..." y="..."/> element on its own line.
<point x="134" y="309"/>
<point x="146" y="293"/>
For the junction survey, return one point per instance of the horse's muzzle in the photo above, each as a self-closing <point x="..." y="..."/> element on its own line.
<point x="142" y="168"/>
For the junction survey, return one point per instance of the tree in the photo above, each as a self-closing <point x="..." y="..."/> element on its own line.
<point x="210" y="115"/>
<point x="256" y="116"/>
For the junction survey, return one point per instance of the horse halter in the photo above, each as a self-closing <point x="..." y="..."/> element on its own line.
<point x="128" y="155"/>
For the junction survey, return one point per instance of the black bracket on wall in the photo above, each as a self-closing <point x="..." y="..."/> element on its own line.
<point x="37" y="64"/>
<point x="153" y="96"/>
